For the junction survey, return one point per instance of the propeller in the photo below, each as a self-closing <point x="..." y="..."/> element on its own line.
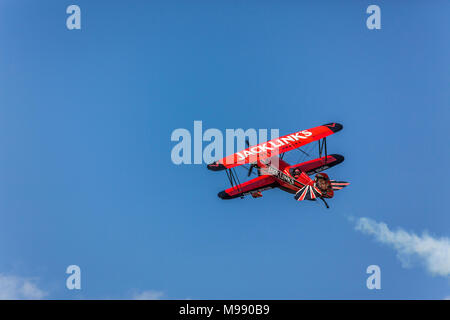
<point x="252" y="165"/>
<point x="250" y="170"/>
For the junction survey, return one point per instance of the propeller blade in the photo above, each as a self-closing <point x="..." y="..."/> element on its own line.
<point x="250" y="171"/>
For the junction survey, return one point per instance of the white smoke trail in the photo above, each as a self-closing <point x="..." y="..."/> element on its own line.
<point x="433" y="252"/>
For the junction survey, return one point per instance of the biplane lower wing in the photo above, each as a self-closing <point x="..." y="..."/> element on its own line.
<point x="318" y="165"/>
<point x="261" y="183"/>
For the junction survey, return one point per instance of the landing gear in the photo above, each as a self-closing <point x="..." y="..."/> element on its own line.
<point x="326" y="204"/>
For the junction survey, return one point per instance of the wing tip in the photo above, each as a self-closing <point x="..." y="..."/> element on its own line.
<point x="339" y="158"/>
<point x="216" y="166"/>
<point x="334" y="126"/>
<point x="223" y="195"/>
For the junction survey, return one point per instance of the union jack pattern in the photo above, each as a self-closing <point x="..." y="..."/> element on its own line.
<point x="308" y="192"/>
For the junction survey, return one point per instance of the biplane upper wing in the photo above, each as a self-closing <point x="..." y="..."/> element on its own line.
<point x="275" y="146"/>
<point x="258" y="184"/>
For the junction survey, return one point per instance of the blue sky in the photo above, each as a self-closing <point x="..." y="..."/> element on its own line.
<point x="86" y="117"/>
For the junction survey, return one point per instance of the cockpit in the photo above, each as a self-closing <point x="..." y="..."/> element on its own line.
<point x="296" y="172"/>
<point x="323" y="183"/>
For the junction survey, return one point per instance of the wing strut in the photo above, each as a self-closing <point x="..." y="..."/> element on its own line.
<point x="323" y="147"/>
<point x="233" y="177"/>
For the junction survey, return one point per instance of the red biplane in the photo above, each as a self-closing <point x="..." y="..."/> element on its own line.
<point x="274" y="172"/>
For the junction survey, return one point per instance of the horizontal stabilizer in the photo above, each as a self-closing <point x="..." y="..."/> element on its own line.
<point x="338" y="185"/>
